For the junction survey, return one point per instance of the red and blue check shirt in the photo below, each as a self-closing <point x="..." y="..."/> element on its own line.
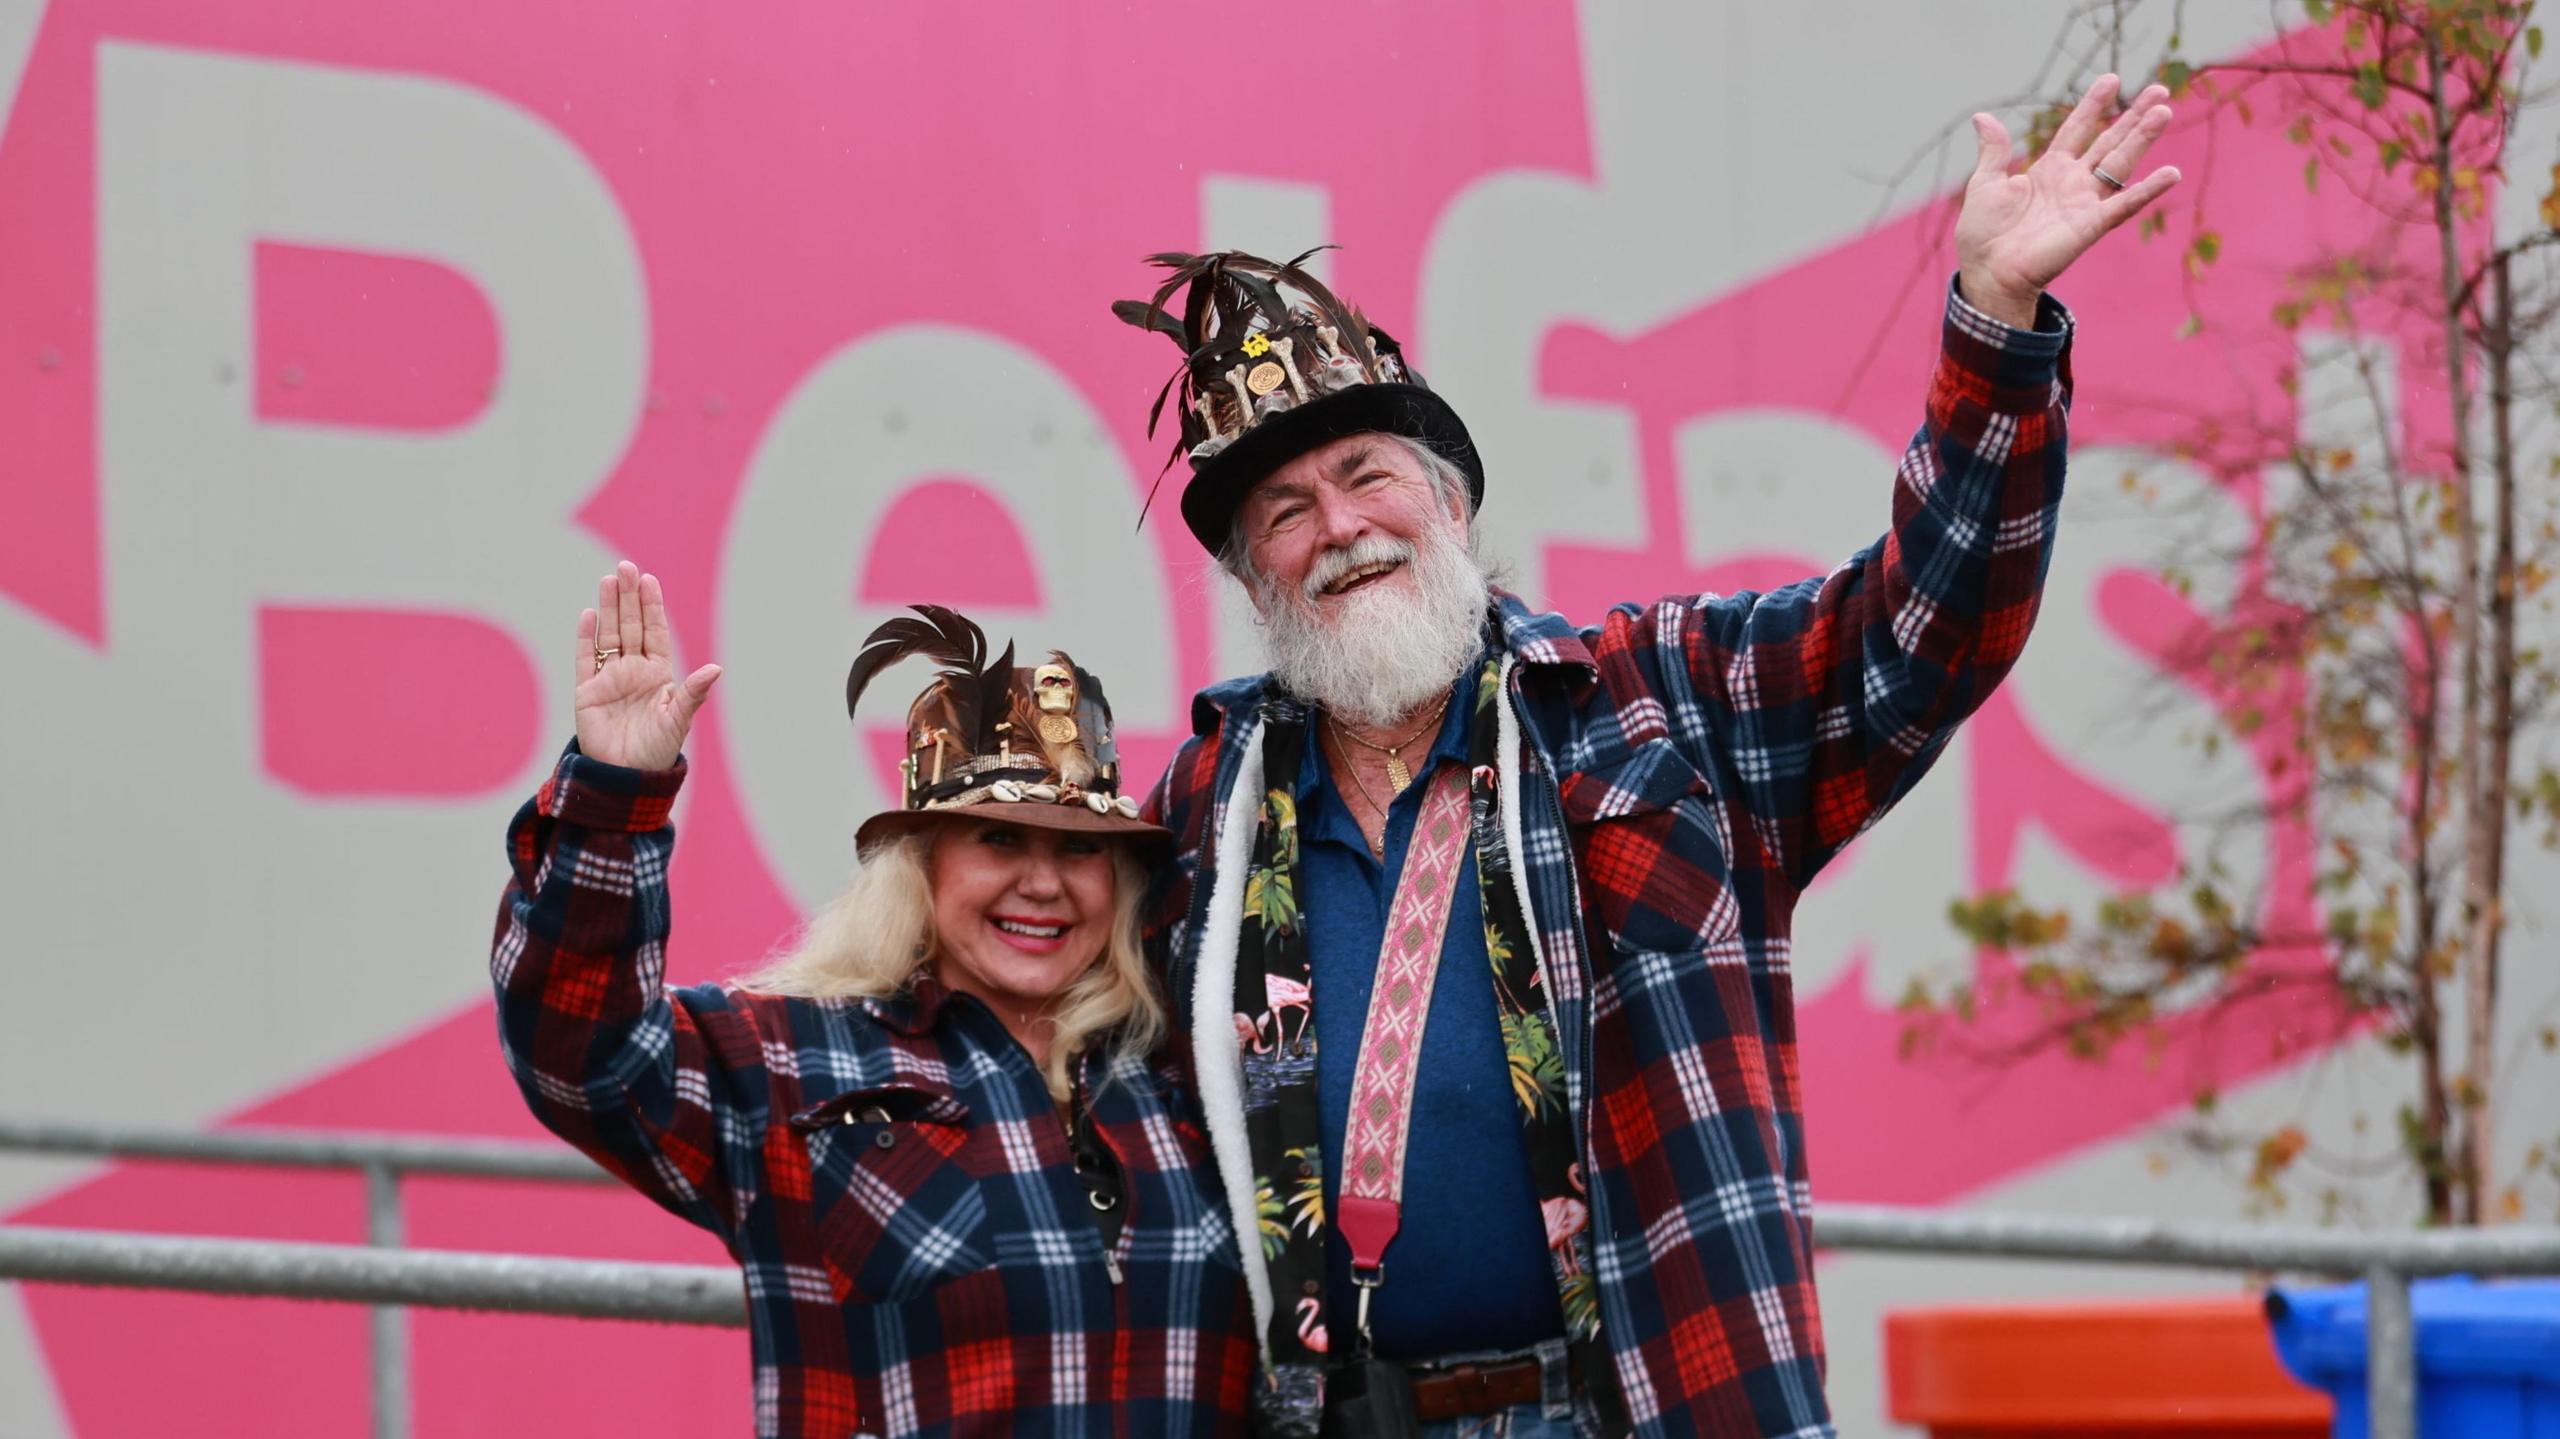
<point x="1685" y="769"/>
<point x="921" y="1256"/>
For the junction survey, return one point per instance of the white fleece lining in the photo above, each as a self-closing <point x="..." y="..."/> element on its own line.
<point x="1507" y="755"/>
<point x="1215" y="1050"/>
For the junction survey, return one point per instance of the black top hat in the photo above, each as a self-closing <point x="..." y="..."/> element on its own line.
<point x="1274" y="366"/>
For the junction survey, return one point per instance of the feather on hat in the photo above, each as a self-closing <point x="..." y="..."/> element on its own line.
<point x="1027" y="745"/>
<point x="1274" y="364"/>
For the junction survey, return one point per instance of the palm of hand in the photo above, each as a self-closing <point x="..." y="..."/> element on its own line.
<point x="2024" y="230"/>
<point x="631" y="708"/>
<point x="628" y="713"/>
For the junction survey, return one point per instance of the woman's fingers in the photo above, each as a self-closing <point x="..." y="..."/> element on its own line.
<point x="626" y="590"/>
<point x="608" y="618"/>
<point x="695" y="689"/>
<point x="654" y="635"/>
<point x="585" y="665"/>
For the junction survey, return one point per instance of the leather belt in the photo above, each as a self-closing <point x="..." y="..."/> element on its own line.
<point x="1468" y="1389"/>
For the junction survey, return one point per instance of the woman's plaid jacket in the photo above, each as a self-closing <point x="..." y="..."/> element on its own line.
<point x="921" y="1256"/>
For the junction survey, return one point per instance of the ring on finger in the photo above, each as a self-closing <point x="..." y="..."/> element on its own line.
<point x="2112" y="182"/>
<point x="606" y="652"/>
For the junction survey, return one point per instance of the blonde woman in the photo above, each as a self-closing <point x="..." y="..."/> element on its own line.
<point x="937" y="1133"/>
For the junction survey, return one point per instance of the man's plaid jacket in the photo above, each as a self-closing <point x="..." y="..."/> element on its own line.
<point x="1680" y="773"/>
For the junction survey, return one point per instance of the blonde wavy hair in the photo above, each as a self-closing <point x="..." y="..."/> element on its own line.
<point x="872" y="940"/>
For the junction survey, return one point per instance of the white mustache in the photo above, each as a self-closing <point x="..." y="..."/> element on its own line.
<point x="1375" y="657"/>
<point x="1333" y="564"/>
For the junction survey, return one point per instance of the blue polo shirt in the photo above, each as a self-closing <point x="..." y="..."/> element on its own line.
<point x="1468" y="1269"/>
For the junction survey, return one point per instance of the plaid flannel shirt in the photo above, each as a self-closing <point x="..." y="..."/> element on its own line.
<point x="919" y="1252"/>
<point x="1687" y="767"/>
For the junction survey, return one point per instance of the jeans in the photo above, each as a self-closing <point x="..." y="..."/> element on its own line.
<point x="1520" y="1421"/>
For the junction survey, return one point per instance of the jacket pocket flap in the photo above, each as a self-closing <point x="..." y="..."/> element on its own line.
<point x="1652" y="778"/>
<point x="891" y="1103"/>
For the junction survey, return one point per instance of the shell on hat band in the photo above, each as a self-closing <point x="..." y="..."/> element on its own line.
<point x="1005" y="791"/>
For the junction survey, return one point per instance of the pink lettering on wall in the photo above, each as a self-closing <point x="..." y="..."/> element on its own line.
<point x="385" y="702"/>
<point x="372" y="341"/>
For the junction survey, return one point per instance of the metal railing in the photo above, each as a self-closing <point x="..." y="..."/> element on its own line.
<point x="383" y="1160"/>
<point x="510" y="1283"/>
<point x="391" y="1278"/>
<point x="2386" y="1261"/>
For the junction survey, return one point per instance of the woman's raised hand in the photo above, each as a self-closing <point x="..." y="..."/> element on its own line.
<point x="631" y="708"/>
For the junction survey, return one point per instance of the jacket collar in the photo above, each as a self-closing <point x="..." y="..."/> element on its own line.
<point x="1535" y="639"/>
<point x="1544" y="638"/>
<point x="914" y="1010"/>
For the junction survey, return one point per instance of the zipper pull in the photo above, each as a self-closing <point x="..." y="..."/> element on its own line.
<point x="1111" y="1262"/>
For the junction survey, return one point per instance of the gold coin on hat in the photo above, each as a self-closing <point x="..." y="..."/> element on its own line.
<point x="1265" y="378"/>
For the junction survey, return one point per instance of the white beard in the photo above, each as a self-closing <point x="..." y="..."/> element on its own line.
<point x="1377" y="654"/>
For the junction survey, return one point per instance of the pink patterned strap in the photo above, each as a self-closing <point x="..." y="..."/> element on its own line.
<point x="1370" y="1207"/>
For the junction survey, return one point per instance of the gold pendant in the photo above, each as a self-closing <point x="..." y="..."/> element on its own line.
<point x="1058" y="729"/>
<point x="1397" y="774"/>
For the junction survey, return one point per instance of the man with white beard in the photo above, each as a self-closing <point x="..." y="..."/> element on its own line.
<point x="1479" y="926"/>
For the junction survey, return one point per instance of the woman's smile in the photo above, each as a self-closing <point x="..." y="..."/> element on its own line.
<point x="1020" y="911"/>
<point x="1030" y="935"/>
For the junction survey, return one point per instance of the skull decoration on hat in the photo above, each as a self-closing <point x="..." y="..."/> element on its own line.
<point x="1029" y="745"/>
<point x="1273" y="366"/>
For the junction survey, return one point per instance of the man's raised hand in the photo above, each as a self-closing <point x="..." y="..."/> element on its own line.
<point x="2020" y="231"/>
<point x="631" y="708"/>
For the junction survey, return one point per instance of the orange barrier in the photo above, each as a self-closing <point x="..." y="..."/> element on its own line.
<point x="2190" y="1368"/>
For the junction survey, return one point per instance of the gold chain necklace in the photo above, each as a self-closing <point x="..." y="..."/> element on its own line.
<point x="1378" y="846"/>
<point x="1397" y="774"/>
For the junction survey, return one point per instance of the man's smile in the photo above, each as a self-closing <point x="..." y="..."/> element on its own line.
<point x="1362" y="576"/>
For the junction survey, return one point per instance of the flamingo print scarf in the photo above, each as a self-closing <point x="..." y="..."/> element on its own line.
<point x="1276" y="1032"/>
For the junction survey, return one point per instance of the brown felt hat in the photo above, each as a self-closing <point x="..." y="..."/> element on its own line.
<point x="1024" y="744"/>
